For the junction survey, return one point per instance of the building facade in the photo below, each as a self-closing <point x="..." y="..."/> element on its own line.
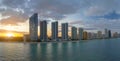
<point x="73" y="33"/>
<point x="54" y="30"/>
<point x="106" y="33"/>
<point x="90" y="36"/>
<point x="85" y="35"/>
<point x="109" y="34"/>
<point x="99" y="34"/>
<point x="80" y="33"/>
<point x="115" y="35"/>
<point x="33" y="27"/>
<point x="64" y="31"/>
<point x="43" y="30"/>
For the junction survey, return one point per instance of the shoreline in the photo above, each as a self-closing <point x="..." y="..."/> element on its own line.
<point x="61" y="41"/>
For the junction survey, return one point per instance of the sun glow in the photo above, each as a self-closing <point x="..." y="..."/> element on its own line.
<point x="9" y="34"/>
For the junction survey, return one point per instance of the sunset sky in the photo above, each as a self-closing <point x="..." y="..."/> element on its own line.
<point x="90" y="14"/>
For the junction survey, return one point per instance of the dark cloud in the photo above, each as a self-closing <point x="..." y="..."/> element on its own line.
<point x="105" y="23"/>
<point x="61" y="9"/>
<point x="76" y="22"/>
<point x="110" y="16"/>
<point x="90" y="28"/>
<point x="54" y="9"/>
<point x="13" y="3"/>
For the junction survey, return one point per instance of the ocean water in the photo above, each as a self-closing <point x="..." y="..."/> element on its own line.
<point x="90" y="50"/>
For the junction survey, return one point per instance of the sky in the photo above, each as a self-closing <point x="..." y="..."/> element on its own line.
<point x="91" y="15"/>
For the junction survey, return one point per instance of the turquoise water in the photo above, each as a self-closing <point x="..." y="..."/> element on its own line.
<point x="96" y="50"/>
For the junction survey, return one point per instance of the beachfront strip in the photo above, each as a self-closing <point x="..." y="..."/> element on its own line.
<point x="75" y="33"/>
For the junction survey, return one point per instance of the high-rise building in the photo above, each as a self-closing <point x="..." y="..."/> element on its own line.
<point x="89" y="36"/>
<point x="109" y="34"/>
<point x="26" y="37"/>
<point x="43" y="30"/>
<point x="65" y="31"/>
<point x="54" y="30"/>
<point x="85" y="35"/>
<point x="115" y="35"/>
<point x="119" y="35"/>
<point x="33" y="27"/>
<point x="73" y="33"/>
<point x="80" y="33"/>
<point x="94" y="35"/>
<point x="99" y="34"/>
<point x="106" y="33"/>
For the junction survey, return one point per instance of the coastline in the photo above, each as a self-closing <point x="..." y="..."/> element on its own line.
<point x="61" y="41"/>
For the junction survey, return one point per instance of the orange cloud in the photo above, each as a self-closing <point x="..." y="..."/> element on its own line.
<point x="13" y="20"/>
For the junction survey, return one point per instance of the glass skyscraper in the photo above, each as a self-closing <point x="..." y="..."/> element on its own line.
<point x="64" y="31"/>
<point x="43" y="30"/>
<point x="99" y="34"/>
<point x="33" y="27"/>
<point x="80" y="31"/>
<point x="54" y="30"/>
<point x="74" y="33"/>
<point x="109" y="34"/>
<point x="106" y="33"/>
